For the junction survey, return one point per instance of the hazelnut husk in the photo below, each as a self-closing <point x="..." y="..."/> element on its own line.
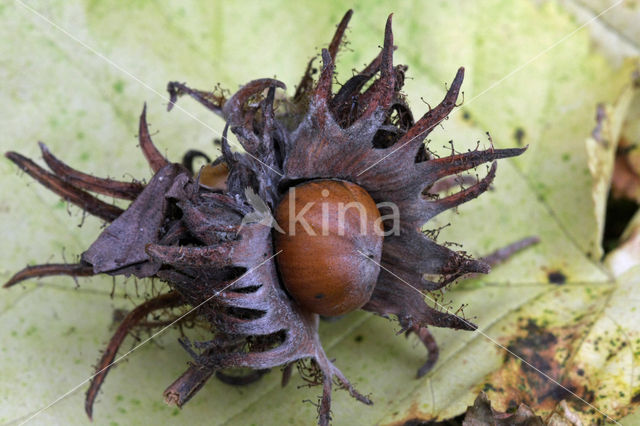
<point x="363" y="143"/>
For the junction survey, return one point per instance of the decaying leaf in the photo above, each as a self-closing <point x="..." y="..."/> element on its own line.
<point x="481" y="414"/>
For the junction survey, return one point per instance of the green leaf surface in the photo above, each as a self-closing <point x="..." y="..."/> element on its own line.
<point x="76" y="77"/>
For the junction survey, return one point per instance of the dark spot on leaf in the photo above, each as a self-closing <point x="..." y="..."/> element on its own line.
<point x="557" y="277"/>
<point x="466" y="116"/>
<point x="359" y="338"/>
<point x="519" y="135"/>
<point x="558" y="393"/>
<point x="488" y="387"/>
<point x="529" y="346"/>
<point x="580" y="372"/>
<point x="536" y="362"/>
<point x="320" y="296"/>
<point x="588" y="395"/>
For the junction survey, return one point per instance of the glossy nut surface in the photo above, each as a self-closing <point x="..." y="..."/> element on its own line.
<point x="331" y="245"/>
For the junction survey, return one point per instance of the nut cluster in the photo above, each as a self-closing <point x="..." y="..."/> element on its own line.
<point x="260" y="291"/>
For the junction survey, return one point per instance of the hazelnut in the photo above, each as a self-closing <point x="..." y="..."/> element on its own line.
<point x="215" y="176"/>
<point x="332" y="232"/>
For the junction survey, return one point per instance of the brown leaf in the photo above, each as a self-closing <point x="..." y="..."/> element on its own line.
<point x="481" y="414"/>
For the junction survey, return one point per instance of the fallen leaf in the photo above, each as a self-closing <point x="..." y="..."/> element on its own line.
<point x="602" y="146"/>
<point x="615" y="33"/>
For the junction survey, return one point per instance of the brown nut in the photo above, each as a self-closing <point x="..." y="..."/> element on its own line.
<point x="332" y="232"/>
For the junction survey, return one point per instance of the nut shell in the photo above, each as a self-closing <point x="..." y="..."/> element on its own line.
<point x="332" y="232"/>
<point x="215" y="176"/>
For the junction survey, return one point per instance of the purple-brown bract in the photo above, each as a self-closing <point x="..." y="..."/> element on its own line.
<point x="190" y="235"/>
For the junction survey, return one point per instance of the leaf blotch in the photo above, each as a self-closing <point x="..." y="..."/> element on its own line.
<point x="519" y="135"/>
<point x="536" y="352"/>
<point x="556" y="277"/>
